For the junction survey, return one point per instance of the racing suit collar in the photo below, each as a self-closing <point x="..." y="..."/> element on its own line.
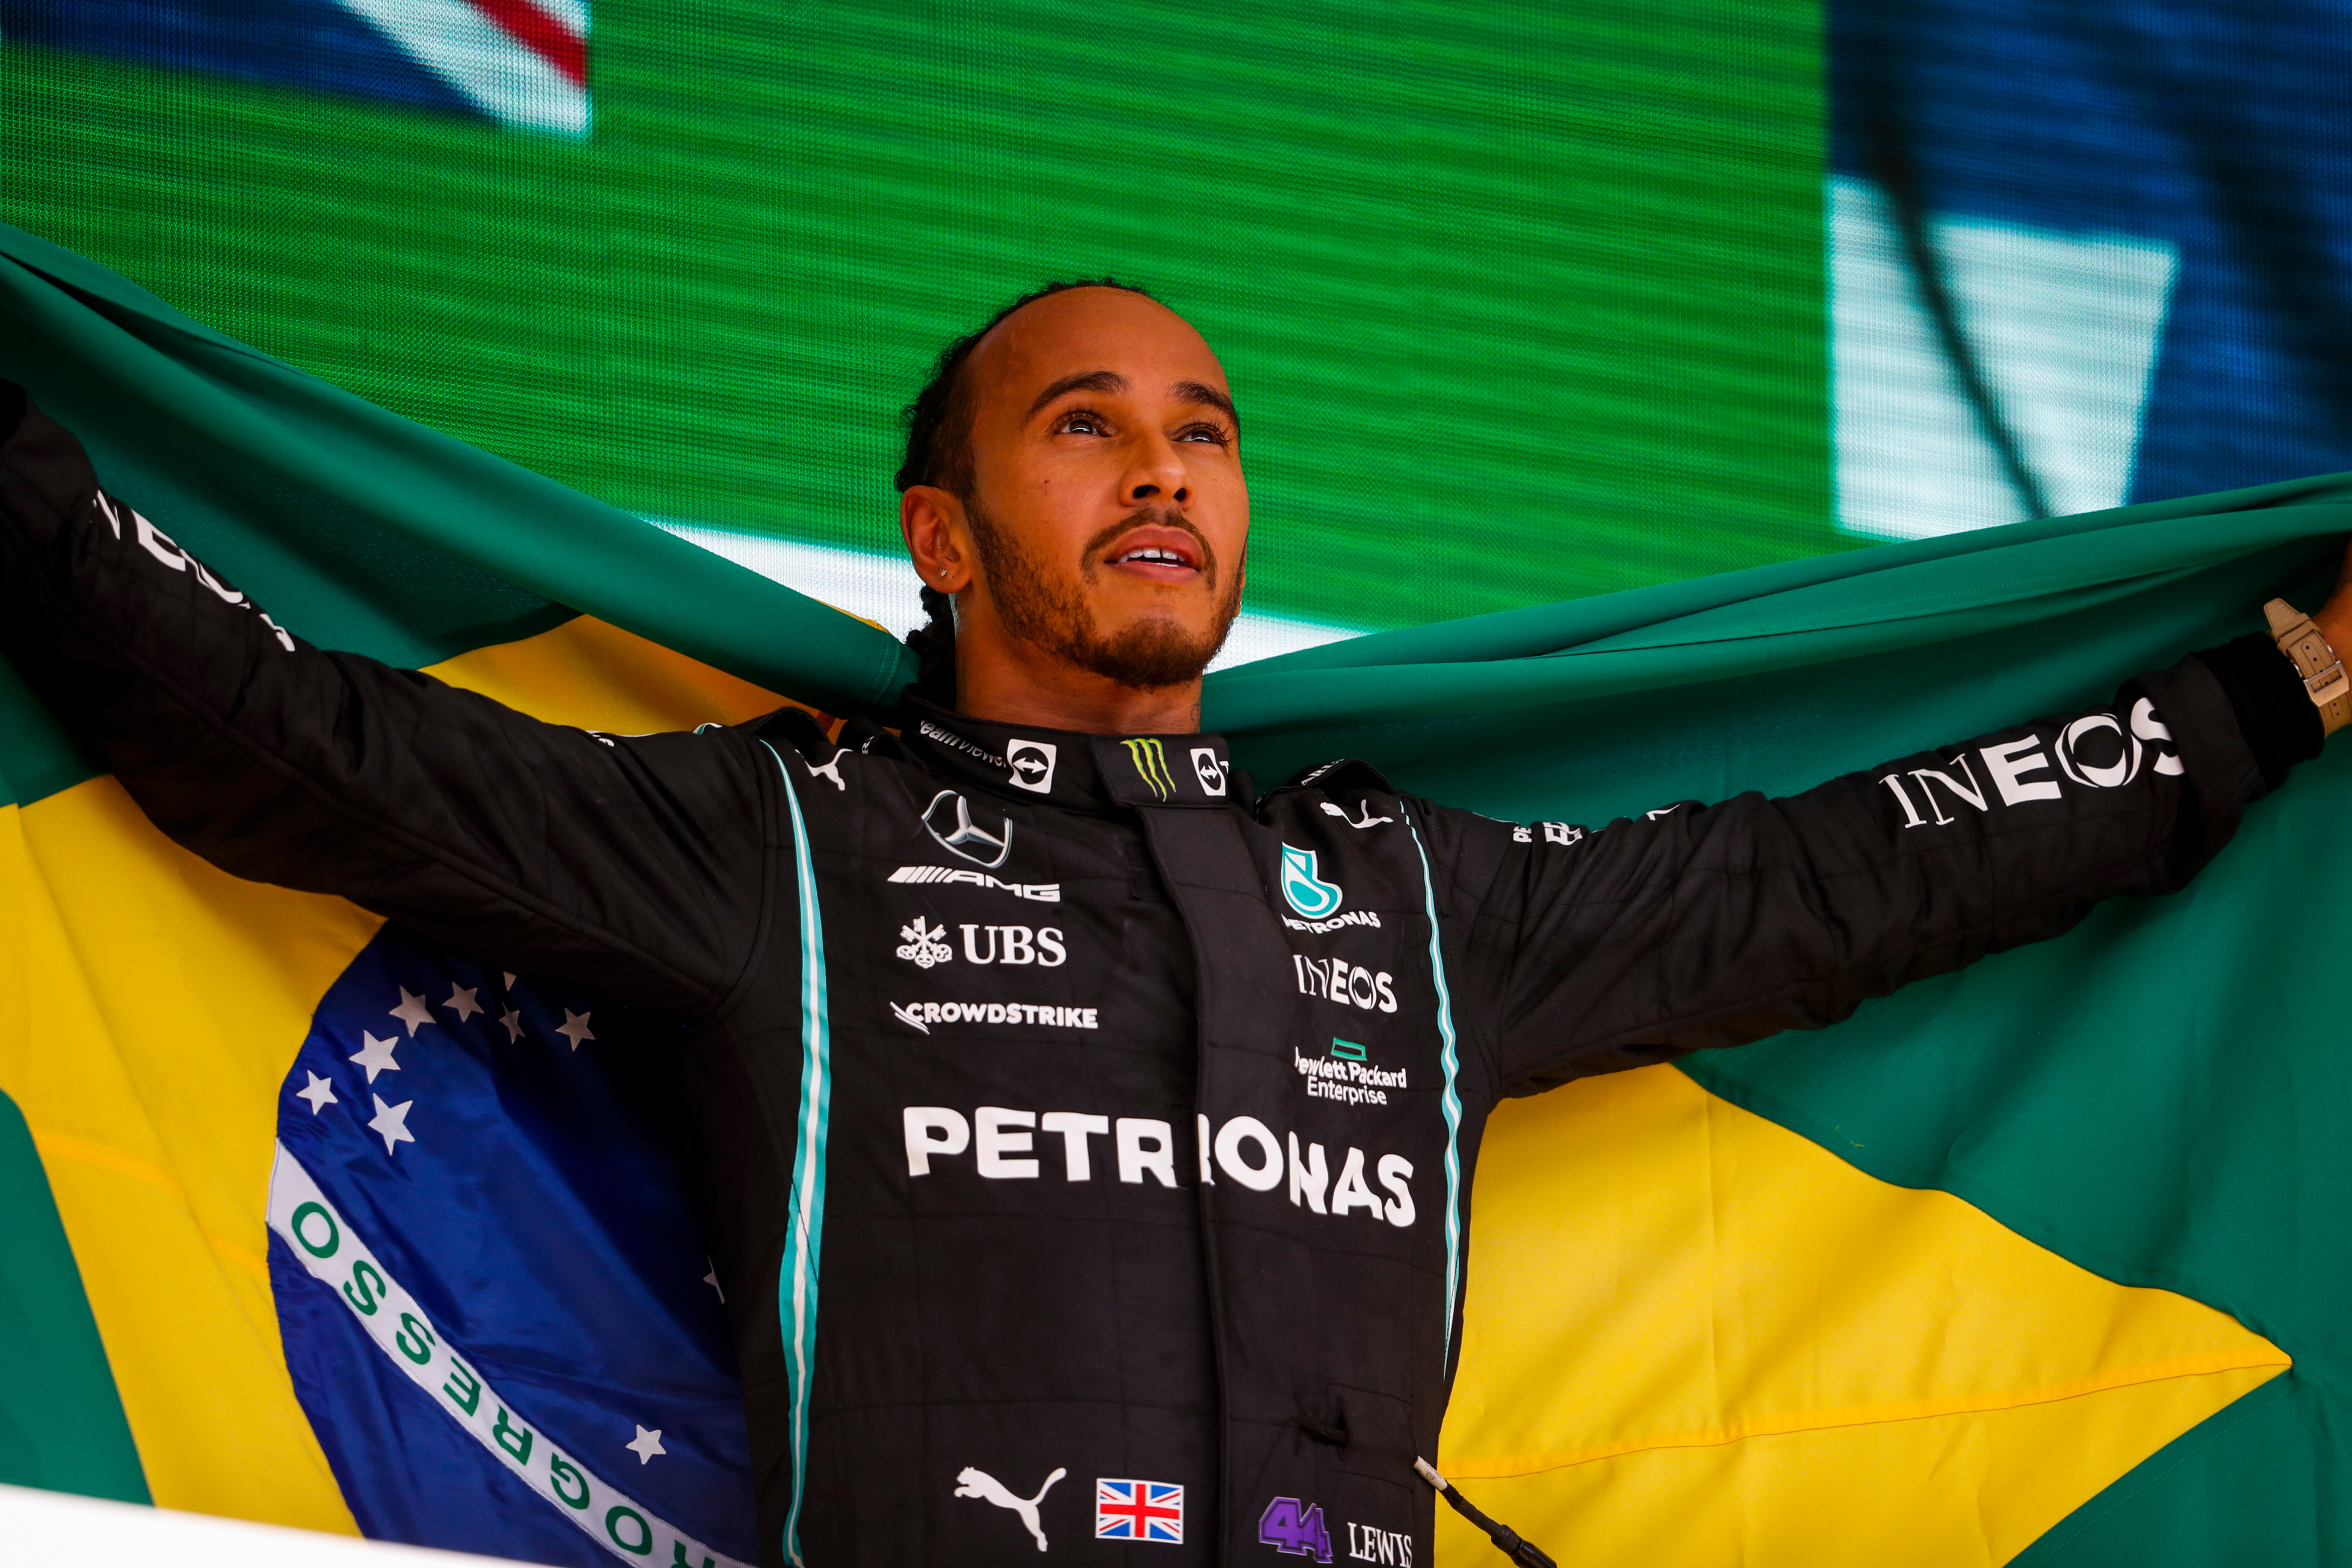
<point x="1072" y="768"/>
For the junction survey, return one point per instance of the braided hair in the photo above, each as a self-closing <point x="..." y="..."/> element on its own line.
<point x="939" y="452"/>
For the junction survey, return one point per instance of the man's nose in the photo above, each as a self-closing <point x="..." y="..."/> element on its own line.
<point x="1157" y="474"/>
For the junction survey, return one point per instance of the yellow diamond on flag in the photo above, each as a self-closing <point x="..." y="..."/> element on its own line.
<point x="1692" y="1336"/>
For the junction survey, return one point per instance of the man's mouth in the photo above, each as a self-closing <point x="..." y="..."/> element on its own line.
<point x="1152" y="552"/>
<point x="1157" y="554"/>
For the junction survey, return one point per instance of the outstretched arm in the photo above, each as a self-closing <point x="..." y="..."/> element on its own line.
<point x="1714" y="925"/>
<point x="631" y="864"/>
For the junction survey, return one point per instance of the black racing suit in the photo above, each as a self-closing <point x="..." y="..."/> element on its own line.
<point x="1077" y="1107"/>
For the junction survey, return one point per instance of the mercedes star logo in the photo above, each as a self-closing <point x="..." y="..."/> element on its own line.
<point x="948" y="818"/>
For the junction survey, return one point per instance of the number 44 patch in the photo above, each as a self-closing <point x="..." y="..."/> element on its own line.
<point x="1295" y="1530"/>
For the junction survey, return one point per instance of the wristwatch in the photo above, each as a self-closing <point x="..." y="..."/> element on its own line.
<point x="2316" y="661"/>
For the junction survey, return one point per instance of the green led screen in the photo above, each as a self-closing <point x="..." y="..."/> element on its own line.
<point x="1521" y="302"/>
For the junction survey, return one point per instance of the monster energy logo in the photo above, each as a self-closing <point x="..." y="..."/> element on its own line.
<point x="1150" y="760"/>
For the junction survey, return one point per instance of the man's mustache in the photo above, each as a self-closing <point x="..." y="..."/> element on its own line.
<point x="1150" y="517"/>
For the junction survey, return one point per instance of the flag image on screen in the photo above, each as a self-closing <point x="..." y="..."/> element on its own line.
<point x="519" y="62"/>
<point x="710" y="311"/>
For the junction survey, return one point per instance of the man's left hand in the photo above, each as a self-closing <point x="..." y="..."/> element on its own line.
<point x="2334" y="618"/>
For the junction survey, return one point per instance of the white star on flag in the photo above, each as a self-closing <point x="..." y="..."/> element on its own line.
<point x="461" y="1002"/>
<point x="391" y="1122"/>
<point x="712" y="1279"/>
<point x="575" y="1027"/>
<point x="646" y="1445"/>
<point x="376" y="1055"/>
<point x="510" y="980"/>
<point x="318" y="1092"/>
<point x="512" y="1019"/>
<point x="412" y="1011"/>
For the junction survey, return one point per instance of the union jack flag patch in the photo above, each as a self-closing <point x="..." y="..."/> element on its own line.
<point x="1139" y="1511"/>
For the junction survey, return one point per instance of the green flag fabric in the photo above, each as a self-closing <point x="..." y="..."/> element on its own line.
<point x="2157" y="1098"/>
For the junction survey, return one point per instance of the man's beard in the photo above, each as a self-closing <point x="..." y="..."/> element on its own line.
<point x="1048" y="612"/>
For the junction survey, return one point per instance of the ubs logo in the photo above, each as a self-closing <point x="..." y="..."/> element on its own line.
<point x="949" y="820"/>
<point x="1032" y="763"/>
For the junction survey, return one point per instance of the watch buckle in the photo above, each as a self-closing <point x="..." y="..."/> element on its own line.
<point x="2329" y="685"/>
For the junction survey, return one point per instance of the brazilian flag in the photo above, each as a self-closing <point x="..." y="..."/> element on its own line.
<point x="2043" y="1261"/>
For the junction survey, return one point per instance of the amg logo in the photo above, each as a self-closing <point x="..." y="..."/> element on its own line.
<point x="1366" y="1545"/>
<point x="1037" y="892"/>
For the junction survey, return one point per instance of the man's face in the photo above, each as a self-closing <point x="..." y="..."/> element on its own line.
<point x="1107" y="507"/>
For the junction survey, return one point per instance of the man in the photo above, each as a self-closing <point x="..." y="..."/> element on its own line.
<point x="1096" y="1132"/>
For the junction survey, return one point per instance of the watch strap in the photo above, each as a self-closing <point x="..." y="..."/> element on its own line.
<point x="2323" y="678"/>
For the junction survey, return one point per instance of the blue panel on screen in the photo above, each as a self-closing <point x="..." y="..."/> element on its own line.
<point x="2214" y="128"/>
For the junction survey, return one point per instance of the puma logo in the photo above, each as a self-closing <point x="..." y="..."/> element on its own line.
<point x="830" y="771"/>
<point x="971" y="1482"/>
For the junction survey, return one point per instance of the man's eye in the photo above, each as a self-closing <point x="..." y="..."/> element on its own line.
<point x="1080" y="424"/>
<point x="1209" y="432"/>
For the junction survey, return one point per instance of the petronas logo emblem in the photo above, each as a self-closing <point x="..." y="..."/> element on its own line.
<point x="1150" y="760"/>
<point x="1308" y="894"/>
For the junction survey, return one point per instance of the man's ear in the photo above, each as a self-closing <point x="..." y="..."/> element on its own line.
<point x="932" y="520"/>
